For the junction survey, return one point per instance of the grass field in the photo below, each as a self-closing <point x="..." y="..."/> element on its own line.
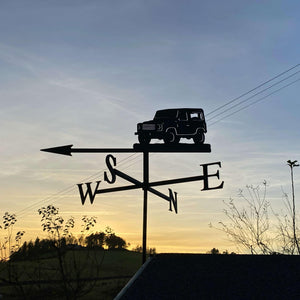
<point x="40" y="277"/>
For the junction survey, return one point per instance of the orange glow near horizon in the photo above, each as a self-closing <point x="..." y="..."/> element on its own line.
<point x="168" y="241"/>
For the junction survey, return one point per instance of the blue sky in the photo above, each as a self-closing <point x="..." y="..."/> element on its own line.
<point x="86" y="72"/>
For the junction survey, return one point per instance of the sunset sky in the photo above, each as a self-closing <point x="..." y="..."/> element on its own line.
<point x="86" y="72"/>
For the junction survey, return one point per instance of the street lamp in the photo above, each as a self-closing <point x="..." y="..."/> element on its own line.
<point x="293" y="164"/>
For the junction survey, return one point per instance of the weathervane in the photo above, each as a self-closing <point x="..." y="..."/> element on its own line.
<point x="170" y="125"/>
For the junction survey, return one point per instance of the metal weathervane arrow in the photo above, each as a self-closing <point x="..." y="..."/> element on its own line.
<point x="170" y="125"/>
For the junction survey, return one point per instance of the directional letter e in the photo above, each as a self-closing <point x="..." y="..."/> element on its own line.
<point x="206" y="175"/>
<point x="88" y="192"/>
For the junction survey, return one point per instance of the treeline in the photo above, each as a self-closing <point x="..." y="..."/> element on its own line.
<point x="99" y="240"/>
<point x="75" y="263"/>
<point x="216" y="251"/>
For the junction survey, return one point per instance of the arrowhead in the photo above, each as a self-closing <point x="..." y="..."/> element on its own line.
<point x="64" y="150"/>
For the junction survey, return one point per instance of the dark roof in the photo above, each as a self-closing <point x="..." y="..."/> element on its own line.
<point x="204" y="276"/>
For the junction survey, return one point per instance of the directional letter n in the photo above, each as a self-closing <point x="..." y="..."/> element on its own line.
<point x="173" y="200"/>
<point x="88" y="192"/>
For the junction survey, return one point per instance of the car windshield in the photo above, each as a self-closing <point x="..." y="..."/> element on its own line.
<point x="165" y="114"/>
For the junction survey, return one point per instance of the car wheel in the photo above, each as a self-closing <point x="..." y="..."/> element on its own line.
<point x="199" y="138"/>
<point x="171" y="138"/>
<point x="144" y="139"/>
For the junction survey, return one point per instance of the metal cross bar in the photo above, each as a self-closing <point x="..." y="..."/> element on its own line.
<point x="140" y="184"/>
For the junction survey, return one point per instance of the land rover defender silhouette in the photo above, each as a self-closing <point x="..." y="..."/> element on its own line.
<point x="171" y="125"/>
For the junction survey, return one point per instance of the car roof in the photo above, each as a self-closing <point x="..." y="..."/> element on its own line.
<point x="181" y="109"/>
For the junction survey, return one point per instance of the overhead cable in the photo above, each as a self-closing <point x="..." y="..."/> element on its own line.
<point x="252" y="90"/>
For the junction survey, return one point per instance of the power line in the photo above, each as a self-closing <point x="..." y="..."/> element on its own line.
<point x="254" y="102"/>
<point x="251" y="97"/>
<point x="262" y="84"/>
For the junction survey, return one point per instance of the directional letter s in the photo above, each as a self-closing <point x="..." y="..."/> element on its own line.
<point x="111" y="169"/>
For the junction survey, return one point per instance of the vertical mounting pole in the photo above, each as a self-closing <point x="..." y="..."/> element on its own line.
<point x="145" y="188"/>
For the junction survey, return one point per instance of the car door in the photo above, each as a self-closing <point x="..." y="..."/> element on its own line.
<point x="183" y="125"/>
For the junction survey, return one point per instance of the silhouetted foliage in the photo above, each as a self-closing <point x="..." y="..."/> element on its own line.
<point x="227" y="253"/>
<point x="214" y="251"/>
<point x="95" y="240"/>
<point x="88" y="223"/>
<point x="149" y="251"/>
<point x="115" y="242"/>
<point x="112" y="241"/>
<point x="249" y="226"/>
<point x="9" y="244"/>
<point x="54" y="224"/>
<point x="60" y="233"/>
<point x="45" y="248"/>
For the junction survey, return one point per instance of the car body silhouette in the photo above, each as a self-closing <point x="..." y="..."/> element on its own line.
<point x="170" y="125"/>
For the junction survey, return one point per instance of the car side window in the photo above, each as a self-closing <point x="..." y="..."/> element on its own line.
<point x="182" y="116"/>
<point x="194" y="115"/>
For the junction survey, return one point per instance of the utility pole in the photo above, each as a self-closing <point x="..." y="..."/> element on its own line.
<point x="293" y="164"/>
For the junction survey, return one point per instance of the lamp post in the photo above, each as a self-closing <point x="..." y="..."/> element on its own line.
<point x="293" y="164"/>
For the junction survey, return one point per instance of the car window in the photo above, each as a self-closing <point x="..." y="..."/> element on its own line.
<point x="182" y="116"/>
<point x="165" y="114"/>
<point x="197" y="115"/>
<point x="194" y="115"/>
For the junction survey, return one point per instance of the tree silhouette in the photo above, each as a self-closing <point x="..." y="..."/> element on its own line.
<point x="7" y="245"/>
<point x="95" y="240"/>
<point x="249" y="226"/>
<point x="112" y="241"/>
<point x="214" y="251"/>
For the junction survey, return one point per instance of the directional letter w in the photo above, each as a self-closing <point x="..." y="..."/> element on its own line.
<point x="88" y="192"/>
